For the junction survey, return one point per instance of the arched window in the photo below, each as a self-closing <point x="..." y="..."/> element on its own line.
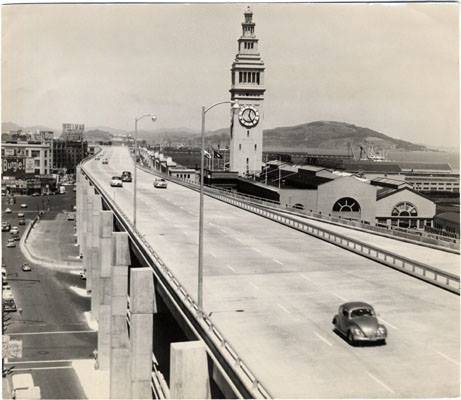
<point x="404" y="209"/>
<point x="404" y="215"/>
<point x="346" y="204"/>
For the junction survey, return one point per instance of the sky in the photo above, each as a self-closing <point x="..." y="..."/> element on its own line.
<point x="389" y="67"/>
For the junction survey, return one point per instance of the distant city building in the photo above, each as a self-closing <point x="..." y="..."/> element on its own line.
<point x="246" y="131"/>
<point x="68" y="153"/>
<point x="72" y="132"/>
<point x="26" y="167"/>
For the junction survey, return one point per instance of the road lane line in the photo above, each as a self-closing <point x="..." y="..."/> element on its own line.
<point x="232" y="269"/>
<point x="381" y="383"/>
<point x="252" y="284"/>
<point x="35" y="368"/>
<point x="277" y="261"/>
<point x="45" y="361"/>
<point x="323" y="339"/>
<point x="50" y="333"/>
<point x="388" y="323"/>
<point x="283" y="308"/>
<point x="447" y="358"/>
<point x="339" y="297"/>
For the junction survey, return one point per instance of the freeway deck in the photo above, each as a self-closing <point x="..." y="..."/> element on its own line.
<point x="273" y="291"/>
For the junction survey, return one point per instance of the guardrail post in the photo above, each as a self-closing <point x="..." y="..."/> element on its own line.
<point x="189" y="377"/>
<point x="119" y="364"/>
<point x="105" y="245"/>
<point x="142" y="308"/>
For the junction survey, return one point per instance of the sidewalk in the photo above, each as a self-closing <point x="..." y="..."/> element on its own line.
<point x="51" y="243"/>
<point x="94" y="382"/>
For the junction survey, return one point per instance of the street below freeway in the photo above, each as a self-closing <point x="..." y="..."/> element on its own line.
<point x="50" y="319"/>
<point x="273" y="292"/>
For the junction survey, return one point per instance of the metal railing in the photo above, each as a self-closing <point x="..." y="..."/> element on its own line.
<point x="435" y="276"/>
<point x="253" y="386"/>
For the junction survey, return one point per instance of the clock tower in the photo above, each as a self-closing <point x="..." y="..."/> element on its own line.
<point x="246" y="133"/>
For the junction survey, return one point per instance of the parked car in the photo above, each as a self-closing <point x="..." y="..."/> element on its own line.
<point x="104" y="161"/>
<point x="20" y="215"/>
<point x="116" y="181"/>
<point x="8" y="211"/>
<point x="126" y="176"/>
<point x="71" y="216"/>
<point x="160" y="183"/>
<point x="357" y="321"/>
<point x="22" y="221"/>
<point x="26" y="267"/>
<point x="23" y="205"/>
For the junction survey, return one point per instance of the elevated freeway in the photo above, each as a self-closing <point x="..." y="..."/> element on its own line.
<point x="273" y="290"/>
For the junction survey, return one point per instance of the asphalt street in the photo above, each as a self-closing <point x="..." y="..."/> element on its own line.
<point x="273" y="291"/>
<point x="50" y="320"/>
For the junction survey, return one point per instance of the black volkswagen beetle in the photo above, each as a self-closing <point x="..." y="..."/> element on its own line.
<point x="357" y="321"/>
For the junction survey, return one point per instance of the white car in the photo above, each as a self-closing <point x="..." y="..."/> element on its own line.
<point x="160" y="183"/>
<point x="116" y="181"/>
<point x="23" y="205"/>
<point x="14" y="230"/>
<point x="8" y="211"/>
<point x="20" y="215"/>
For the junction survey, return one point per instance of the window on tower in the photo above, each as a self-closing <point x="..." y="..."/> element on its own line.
<point x="257" y="78"/>
<point x="248" y="133"/>
<point x="256" y="146"/>
<point x="240" y="77"/>
<point x="240" y="146"/>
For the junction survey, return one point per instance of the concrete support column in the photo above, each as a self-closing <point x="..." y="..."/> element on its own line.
<point x="142" y="308"/>
<point x="104" y="287"/>
<point x="83" y="216"/>
<point x="95" y="253"/>
<point x="189" y="377"/>
<point x="78" y="183"/>
<point x="87" y="236"/>
<point x="120" y="387"/>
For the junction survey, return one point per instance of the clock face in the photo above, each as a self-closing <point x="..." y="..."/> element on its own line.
<point x="248" y="117"/>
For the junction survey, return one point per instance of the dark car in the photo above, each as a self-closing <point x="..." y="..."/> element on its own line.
<point x="22" y="222"/>
<point x="126" y="176"/>
<point x="16" y="237"/>
<point x="357" y="321"/>
<point x="6" y="227"/>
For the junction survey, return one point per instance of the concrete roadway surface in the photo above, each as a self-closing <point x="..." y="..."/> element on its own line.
<point x="51" y="325"/>
<point x="273" y="292"/>
<point x="444" y="260"/>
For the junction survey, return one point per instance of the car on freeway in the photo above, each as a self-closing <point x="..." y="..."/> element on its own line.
<point x="160" y="183"/>
<point x="6" y="227"/>
<point x="36" y="194"/>
<point x="22" y="221"/>
<point x="20" y="215"/>
<point x="126" y="176"/>
<point x="105" y="161"/>
<point x="23" y="205"/>
<point x="116" y="181"/>
<point x="16" y="237"/>
<point x="26" y="267"/>
<point x="11" y="244"/>
<point x="8" y="211"/>
<point x="357" y="321"/>
<point x="97" y="158"/>
<point x="14" y="230"/>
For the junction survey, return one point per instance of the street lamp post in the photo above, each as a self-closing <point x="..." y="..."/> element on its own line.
<point x="235" y="106"/>
<point x="154" y="118"/>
